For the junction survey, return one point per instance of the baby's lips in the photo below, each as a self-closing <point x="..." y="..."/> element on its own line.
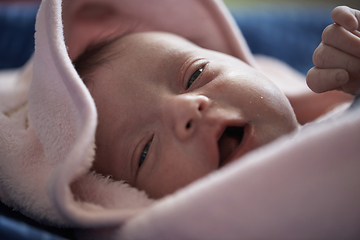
<point x="229" y="142"/>
<point x="247" y="143"/>
<point x="226" y="129"/>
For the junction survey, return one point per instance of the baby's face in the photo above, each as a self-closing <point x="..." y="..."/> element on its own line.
<point x="171" y="112"/>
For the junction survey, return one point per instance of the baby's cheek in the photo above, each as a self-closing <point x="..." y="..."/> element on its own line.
<point x="172" y="174"/>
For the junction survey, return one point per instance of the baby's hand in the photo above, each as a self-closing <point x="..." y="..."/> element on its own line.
<point x="337" y="58"/>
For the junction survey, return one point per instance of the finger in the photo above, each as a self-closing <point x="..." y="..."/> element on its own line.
<point x="347" y="17"/>
<point x="321" y="80"/>
<point x="351" y="87"/>
<point x="338" y="37"/>
<point x="326" y="56"/>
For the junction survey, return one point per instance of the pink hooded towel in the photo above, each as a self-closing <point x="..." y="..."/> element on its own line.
<point x="48" y="121"/>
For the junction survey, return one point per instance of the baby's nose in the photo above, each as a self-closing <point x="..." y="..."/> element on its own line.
<point x="186" y="113"/>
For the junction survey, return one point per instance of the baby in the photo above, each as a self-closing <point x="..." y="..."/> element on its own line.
<point x="170" y="112"/>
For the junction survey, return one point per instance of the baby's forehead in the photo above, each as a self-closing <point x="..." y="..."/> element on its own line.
<point x="144" y="40"/>
<point x="143" y="48"/>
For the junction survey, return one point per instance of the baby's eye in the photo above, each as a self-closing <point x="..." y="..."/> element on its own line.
<point x="144" y="153"/>
<point x="195" y="75"/>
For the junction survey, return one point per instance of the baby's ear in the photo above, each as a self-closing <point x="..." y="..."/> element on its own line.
<point x="207" y="23"/>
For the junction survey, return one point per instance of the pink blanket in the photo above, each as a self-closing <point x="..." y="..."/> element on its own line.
<point x="305" y="185"/>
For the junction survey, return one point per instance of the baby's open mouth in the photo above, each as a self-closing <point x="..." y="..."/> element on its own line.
<point x="229" y="142"/>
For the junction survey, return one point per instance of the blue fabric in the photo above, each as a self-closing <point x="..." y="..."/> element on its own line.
<point x="14" y="230"/>
<point x="10" y="218"/>
<point x="17" y="28"/>
<point x="290" y="34"/>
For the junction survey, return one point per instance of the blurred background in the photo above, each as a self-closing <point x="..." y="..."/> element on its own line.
<point x="288" y="30"/>
<point x="326" y="3"/>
